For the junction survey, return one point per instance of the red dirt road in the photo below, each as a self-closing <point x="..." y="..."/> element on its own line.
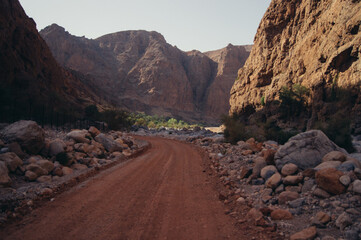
<point x="163" y="194"/>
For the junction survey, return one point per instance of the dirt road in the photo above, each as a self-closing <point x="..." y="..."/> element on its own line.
<point x="163" y="194"/>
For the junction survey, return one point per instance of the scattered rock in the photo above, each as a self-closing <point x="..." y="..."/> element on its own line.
<point x="343" y="221"/>
<point x="281" y="214"/>
<point x="268" y="171"/>
<point x="292" y="180"/>
<point x="334" y="156"/>
<point x="289" y="169"/>
<point x="94" y="131"/>
<point x="4" y="177"/>
<point x="11" y="160"/>
<point x="305" y="150"/>
<point x="345" y="180"/>
<point x="306" y="234"/>
<point x="274" y="181"/>
<point x="286" y="196"/>
<point x="323" y="217"/>
<point x="328" y="180"/>
<point x="79" y="136"/>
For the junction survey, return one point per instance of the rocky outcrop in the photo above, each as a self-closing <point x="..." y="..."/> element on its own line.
<point x="140" y="71"/>
<point x="313" y="43"/>
<point x="29" y="75"/>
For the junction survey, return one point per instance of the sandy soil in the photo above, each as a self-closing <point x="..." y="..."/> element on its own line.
<point x="163" y="194"/>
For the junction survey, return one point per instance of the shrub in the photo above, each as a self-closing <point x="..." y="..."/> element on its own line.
<point x="263" y="101"/>
<point x="293" y="101"/>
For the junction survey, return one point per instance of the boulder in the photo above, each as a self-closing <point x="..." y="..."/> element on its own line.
<point x="268" y="171"/>
<point x="43" y="179"/>
<point x="289" y="169"/>
<point x="281" y="214"/>
<point x="274" y="181"/>
<point x="94" y="131"/>
<point x="343" y="221"/>
<point x="305" y="150"/>
<point x="306" y="234"/>
<point x="45" y="164"/>
<point x="323" y="217"/>
<point x="58" y="172"/>
<point x="4" y="175"/>
<point x="334" y="156"/>
<point x="286" y="196"/>
<point x="67" y="171"/>
<point x="292" y="180"/>
<point x="79" y="136"/>
<point x="11" y="160"/>
<point x="28" y="134"/>
<point x="328" y="180"/>
<point x="328" y="164"/>
<point x="56" y="146"/>
<point x="16" y="148"/>
<point x="109" y="144"/>
<point x="35" y="168"/>
<point x="30" y="175"/>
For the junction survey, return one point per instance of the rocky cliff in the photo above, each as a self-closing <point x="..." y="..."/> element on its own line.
<point x="142" y="72"/>
<point x="313" y="43"/>
<point x="29" y="75"/>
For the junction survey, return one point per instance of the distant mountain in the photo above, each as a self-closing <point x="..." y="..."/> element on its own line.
<point x="140" y="71"/>
<point x="29" y="75"/>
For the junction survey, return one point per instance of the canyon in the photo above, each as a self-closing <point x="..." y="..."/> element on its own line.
<point x="140" y="71"/>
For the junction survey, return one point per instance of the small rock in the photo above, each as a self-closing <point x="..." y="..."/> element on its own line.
<point x="55" y="147"/>
<point x="306" y="234"/>
<point x="308" y="185"/>
<point x="46" y="192"/>
<point x="241" y="200"/>
<point x="296" y="203"/>
<point x="334" y="156"/>
<point x="4" y="177"/>
<point x="343" y="221"/>
<point x="309" y="172"/>
<point x="292" y="180"/>
<point x="347" y="166"/>
<point x="45" y="164"/>
<point x="286" y="196"/>
<point x="268" y="171"/>
<point x="30" y="176"/>
<point x="35" y="168"/>
<point x="357" y="172"/>
<point x="58" y="172"/>
<point x="281" y="214"/>
<point x="254" y="214"/>
<point x="43" y="179"/>
<point x="352" y="235"/>
<point x="280" y="189"/>
<point x="78" y="166"/>
<point x="67" y="171"/>
<point x="356" y="186"/>
<point x="79" y="136"/>
<point x="259" y="163"/>
<point x="94" y="131"/>
<point x="328" y="179"/>
<point x="289" y="169"/>
<point x="318" y="192"/>
<point x="274" y="181"/>
<point x="245" y="172"/>
<point x="323" y="217"/>
<point x="345" y="180"/>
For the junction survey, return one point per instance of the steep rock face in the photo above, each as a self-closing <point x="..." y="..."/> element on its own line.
<point x="313" y="43"/>
<point x="29" y="74"/>
<point x="142" y="72"/>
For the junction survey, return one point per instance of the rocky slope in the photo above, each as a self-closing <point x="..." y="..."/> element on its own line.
<point x="142" y="72"/>
<point x="313" y="43"/>
<point x="29" y="74"/>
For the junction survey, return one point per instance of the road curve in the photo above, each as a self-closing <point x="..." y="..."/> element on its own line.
<point x="162" y="194"/>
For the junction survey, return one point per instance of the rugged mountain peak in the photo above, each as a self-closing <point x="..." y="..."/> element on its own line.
<point x="313" y="43"/>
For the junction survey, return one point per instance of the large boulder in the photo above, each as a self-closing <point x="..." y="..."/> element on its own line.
<point x="305" y="150"/>
<point x="28" y="134"/>
<point x="79" y="136"/>
<point x="328" y="180"/>
<point x="109" y="144"/>
<point x="4" y="175"/>
<point x="12" y="161"/>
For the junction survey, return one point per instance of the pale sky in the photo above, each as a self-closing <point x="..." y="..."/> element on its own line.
<point x="189" y="24"/>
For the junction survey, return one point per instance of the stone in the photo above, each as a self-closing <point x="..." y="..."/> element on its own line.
<point x="254" y="214"/>
<point x="58" y="172"/>
<point x="347" y="166"/>
<point x="35" y="168"/>
<point x="30" y="175"/>
<point x="274" y="181"/>
<point x="305" y="150"/>
<point x="279" y="189"/>
<point x="306" y="234"/>
<point x="357" y="172"/>
<point x="296" y="203"/>
<point x="44" y="179"/>
<point x="109" y="144"/>
<point x="296" y="189"/>
<point x="56" y="146"/>
<point x="281" y="214"/>
<point x="78" y="166"/>
<point x="328" y="180"/>
<point x="269" y="156"/>
<point x="5" y="180"/>
<point x="308" y="185"/>
<point x="46" y="192"/>
<point x="343" y="221"/>
<point x="323" y="217"/>
<point x="16" y="148"/>
<point x="67" y="171"/>
<point x="328" y="164"/>
<point x="356" y="186"/>
<point x="289" y="169"/>
<point x="268" y="171"/>
<point x="351" y="235"/>
<point x="345" y="180"/>
<point x="11" y="160"/>
<point x="292" y="180"/>
<point x="287" y="196"/>
<point x="309" y="172"/>
<point x="45" y="164"/>
<point x="79" y="136"/>
<point x="318" y="192"/>
<point x="259" y="163"/>
<point x="94" y="131"/>
<point x="334" y="156"/>
<point x="241" y="200"/>
<point x="28" y="134"/>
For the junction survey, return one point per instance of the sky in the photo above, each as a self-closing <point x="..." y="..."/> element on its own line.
<point x="188" y="24"/>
